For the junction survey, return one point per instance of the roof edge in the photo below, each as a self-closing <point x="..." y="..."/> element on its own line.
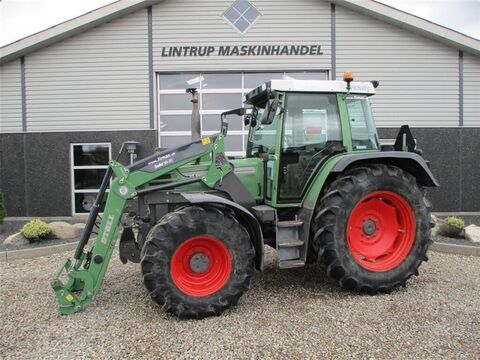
<point x="71" y="27"/>
<point x="413" y="23"/>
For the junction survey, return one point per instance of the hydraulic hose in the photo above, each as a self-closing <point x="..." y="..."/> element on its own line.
<point x="93" y="215"/>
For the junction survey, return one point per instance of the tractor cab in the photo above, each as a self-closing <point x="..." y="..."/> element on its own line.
<point x="316" y="120"/>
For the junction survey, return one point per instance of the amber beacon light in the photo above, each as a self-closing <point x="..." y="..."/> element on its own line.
<point x="348" y="77"/>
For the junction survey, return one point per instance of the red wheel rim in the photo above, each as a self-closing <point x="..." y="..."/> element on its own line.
<point x="381" y="231"/>
<point x="201" y="266"/>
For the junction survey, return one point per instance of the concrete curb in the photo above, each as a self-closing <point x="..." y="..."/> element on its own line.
<point x="455" y="249"/>
<point x="6" y="256"/>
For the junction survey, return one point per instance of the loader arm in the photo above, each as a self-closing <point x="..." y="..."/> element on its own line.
<point x="78" y="280"/>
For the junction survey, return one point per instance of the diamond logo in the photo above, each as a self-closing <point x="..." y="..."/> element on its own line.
<point x="241" y="15"/>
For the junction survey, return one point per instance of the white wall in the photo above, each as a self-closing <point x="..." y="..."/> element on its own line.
<point x="471" y="90"/>
<point x="98" y="80"/>
<point x="95" y="80"/>
<point x="419" y="78"/>
<point x="10" y="97"/>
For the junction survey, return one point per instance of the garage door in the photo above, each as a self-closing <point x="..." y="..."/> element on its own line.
<point x="218" y="92"/>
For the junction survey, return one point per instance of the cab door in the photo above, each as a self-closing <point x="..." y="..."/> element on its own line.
<point x="263" y="143"/>
<point x="311" y="133"/>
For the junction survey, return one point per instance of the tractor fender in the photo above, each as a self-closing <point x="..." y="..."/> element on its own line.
<point x="408" y="161"/>
<point x="244" y="217"/>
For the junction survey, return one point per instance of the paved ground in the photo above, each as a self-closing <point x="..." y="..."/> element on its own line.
<point x="287" y="314"/>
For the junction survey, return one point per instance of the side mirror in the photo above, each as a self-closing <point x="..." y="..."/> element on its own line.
<point x="270" y="111"/>
<point x="223" y="118"/>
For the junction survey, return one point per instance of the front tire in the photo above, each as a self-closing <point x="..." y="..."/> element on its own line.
<point x="197" y="262"/>
<point x="372" y="228"/>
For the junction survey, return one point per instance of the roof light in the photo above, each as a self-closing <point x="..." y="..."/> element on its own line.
<point x="348" y="76"/>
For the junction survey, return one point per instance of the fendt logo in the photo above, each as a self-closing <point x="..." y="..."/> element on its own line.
<point x="108" y="228"/>
<point x="241" y="15"/>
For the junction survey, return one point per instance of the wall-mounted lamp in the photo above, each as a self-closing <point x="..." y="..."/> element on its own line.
<point x="131" y="148"/>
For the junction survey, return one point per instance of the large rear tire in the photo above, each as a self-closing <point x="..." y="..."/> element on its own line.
<point x="197" y="262"/>
<point x="372" y="228"/>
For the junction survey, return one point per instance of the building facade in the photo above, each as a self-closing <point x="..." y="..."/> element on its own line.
<point x="70" y="95"/>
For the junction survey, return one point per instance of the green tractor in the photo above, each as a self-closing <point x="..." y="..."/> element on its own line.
<point x="315" y="185"/>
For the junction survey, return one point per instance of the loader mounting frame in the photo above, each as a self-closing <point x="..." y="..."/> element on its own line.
<point x="78" y="280"/>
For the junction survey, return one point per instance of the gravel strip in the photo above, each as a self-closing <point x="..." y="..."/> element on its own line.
<point x="294" y="313"/>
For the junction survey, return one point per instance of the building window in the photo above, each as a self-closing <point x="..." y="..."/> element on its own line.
<point x="241" y="15"/>
<point x="89" y="162"/>
<point x="218" y="92"/>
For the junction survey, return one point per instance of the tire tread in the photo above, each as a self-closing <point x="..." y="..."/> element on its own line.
<point x="330" y="213"/>
<point x="170" y="232"/>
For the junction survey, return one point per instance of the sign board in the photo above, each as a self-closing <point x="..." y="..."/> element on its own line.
<point x="241" y="50"/>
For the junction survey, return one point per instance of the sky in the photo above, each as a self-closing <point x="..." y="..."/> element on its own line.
<point x="21" y="18"/>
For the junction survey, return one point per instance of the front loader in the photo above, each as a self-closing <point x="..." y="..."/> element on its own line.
<point x="315" y="184"/>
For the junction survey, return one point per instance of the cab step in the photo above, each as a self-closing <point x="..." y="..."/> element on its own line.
<point x="290" y="246"/>
<point x="288" y="264"/>
<point x="289" y="223"/>
<point x="290" y="243"/>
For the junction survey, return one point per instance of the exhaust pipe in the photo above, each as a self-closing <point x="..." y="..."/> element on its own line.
<point x="195" y="126"/>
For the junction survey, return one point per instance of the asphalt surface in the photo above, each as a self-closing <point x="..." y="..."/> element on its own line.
<point x="292" y="314"/>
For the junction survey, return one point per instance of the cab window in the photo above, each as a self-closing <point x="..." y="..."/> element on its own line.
<point x="364" y="134"/>
<point x="261" y="137"/>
